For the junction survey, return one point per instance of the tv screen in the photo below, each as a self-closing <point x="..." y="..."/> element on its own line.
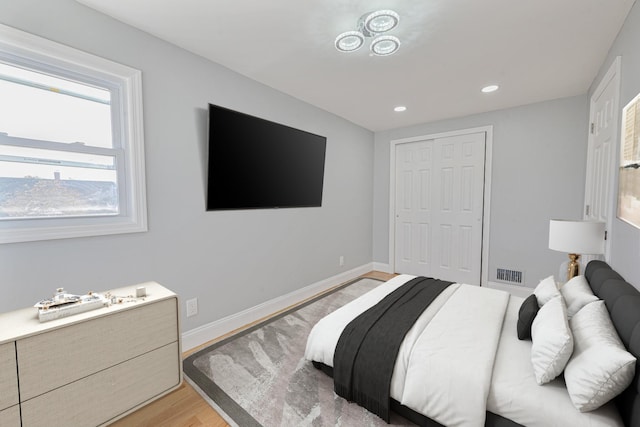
<point x="257" y="164"/>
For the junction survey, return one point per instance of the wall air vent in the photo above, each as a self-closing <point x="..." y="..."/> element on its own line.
<point x="513" y="277"/>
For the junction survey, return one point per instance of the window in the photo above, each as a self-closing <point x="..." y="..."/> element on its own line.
<point x="71" y="142"/>
<point x="629" y="173"/>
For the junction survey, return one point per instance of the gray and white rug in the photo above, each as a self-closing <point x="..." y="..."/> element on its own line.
<point x="259" y="377"/>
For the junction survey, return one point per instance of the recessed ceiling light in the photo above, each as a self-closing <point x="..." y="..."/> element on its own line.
<point x="400" y="108"/>
<point x="489" y="89"/>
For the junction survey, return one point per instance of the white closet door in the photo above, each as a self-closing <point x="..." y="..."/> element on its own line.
<point x="439" y="207"/>
<point x="414" y="163"/>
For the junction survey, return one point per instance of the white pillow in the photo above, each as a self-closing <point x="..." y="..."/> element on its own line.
<point x="546" y="290"/>
<point x="577" y="293"/>
<point x="552" y="342"/>
<point x="601" y="367"/>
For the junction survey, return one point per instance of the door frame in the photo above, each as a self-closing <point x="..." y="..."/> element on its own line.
<point x="613" y="74"/>
<point x="488" y="131"/>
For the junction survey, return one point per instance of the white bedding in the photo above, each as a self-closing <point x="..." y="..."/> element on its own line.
<point x="458" y="361"/>
<point x="432" y="350"/>
<point x="515" y="394"/>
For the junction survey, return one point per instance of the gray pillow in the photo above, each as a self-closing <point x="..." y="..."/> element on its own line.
<point x="528" y="311"/>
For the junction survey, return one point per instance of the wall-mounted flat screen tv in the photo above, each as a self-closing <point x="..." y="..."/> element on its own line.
<point x="258" y="164"/>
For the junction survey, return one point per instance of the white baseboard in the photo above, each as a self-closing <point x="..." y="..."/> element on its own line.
<point x="385" y="268"/>
<point x="202" y="334"/>
<point x="518" y="291"/>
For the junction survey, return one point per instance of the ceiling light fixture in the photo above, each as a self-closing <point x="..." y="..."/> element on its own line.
<point x="490" y="88"/>
<point x="371" y="25"/>
<point x="400" y="108"/>
<point x="381" y="21"/>
<point x="349" y="41"/>
<point x="385" y="45"/>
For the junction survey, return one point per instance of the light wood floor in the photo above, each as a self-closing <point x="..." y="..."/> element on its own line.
<point x="184" y="407"/>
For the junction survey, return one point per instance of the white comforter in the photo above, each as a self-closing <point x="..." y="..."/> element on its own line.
<point x="445" y="363"/>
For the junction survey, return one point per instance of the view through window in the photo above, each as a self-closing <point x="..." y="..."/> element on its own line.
<point x="629" y="176"/>
<point x="57" y="155"/>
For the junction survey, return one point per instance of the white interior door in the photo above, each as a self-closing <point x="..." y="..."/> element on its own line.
<point x="439" y="207"/>
<point x="414" y="163"/>
<point x="603" y="132"/>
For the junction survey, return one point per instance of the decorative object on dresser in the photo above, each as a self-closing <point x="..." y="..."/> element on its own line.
<point x="103" y="363"/>
<point x="575" y="238"/>
<point x="63" y="304"/>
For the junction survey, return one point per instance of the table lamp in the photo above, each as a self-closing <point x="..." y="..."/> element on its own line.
<point x="575" y="238"/>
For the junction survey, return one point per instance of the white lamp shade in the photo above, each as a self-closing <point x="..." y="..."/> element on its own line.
<point x="576" y="237"/>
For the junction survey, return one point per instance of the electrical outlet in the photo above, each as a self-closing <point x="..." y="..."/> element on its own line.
<point x="192" y="307"/>
<point x="341" y="260"/>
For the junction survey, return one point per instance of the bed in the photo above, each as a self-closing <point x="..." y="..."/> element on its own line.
<point x="462" y="364"/>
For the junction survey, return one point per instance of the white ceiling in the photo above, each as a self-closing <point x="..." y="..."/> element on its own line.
<point x="534" y="49"/>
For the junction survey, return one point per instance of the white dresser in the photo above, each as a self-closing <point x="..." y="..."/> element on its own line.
<point x="91" y="368"/>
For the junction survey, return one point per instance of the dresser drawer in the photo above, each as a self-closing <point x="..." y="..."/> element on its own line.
<point x="108" y="394"/>
<point x="8" y="376"/>
<point x="10" y="417"/>
<point x="62" y="356"/>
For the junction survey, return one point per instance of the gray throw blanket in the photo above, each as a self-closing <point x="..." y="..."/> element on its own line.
<point x="367" y="349"/>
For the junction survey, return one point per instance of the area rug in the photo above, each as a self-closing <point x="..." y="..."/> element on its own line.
<point x="259" y="377"/>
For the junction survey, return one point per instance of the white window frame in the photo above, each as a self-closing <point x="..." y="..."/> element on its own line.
<point x="23" y="48"/>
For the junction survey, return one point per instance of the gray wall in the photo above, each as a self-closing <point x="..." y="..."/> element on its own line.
<point x="235" y="260"/>
<point x="539" y="157"/>
<point x="625" y="239"/>
<point x="229" y="260"/>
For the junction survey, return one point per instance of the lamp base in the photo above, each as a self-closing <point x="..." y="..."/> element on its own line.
<point x="574" y="266"/>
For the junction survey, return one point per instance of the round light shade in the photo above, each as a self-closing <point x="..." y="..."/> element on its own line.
<point x="385" y="45"/>
<point x="381" y="21"/>
<point x="576" y="237"/>
<point x="349" y="41"/>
